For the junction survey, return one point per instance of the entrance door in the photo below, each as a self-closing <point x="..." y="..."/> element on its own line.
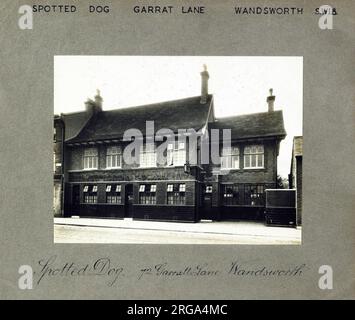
<point x="207" y="212"/>
<point x="128" y="201"/>
<point x="75" y="208"/>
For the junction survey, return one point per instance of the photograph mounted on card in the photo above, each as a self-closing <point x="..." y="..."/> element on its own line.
<point x="191" y="150"/>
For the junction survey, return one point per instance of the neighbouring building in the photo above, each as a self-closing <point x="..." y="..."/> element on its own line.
<point x="99" y="183"/>
<point x="295" y="176"/>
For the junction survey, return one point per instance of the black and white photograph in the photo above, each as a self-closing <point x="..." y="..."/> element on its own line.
<point x="178" y="149"/>
<point x="179" y="155"/>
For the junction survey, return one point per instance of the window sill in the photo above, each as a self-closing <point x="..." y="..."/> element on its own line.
<point x="254" y="168"/>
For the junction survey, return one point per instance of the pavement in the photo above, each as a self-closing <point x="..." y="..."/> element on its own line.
<point x="89" y="230"/>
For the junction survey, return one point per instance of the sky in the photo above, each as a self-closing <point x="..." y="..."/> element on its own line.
<point x="240" y="85"/>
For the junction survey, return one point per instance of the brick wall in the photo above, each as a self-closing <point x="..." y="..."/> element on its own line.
<point x="266" y="175"/>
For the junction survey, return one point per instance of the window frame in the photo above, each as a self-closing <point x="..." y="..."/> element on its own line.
<point x="90" y="194"/>
<point x="117" y="155"/>
<point x="147" y="196"/>
<point x="176" y="197"/>
<point x="113" y="196"/>
<point x="257" y="154"/>
<point x="144" y="157"/>
<point x="230" y="154"/>
<point x="89" y="155"/>
<point x="175" y="152"/>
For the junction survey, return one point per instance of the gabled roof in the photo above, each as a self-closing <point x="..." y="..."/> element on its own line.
<point x="178" y="114"/>
<point x="265" y="124"/>
<point x="74" y="123"/>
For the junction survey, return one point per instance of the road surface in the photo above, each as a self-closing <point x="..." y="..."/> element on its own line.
<point x="94" y="234"/>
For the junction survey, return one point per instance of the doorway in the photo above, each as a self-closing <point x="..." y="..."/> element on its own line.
<point x="75" y="207"/>
<point x="128" y="201"/>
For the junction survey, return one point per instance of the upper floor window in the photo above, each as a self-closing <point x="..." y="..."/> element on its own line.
<point x="176" y="154"/>
<point x="254" y="157"/>
<point x="90" y="158"/>
<point x="147" y="156"/>
<point x="113" y="157"/>
<point x="230" y="158"/>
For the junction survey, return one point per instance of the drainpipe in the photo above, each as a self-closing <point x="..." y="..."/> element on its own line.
<point x="62" y="168"/>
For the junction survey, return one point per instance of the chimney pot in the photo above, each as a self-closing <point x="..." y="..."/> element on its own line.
<point x="270" y="101"/>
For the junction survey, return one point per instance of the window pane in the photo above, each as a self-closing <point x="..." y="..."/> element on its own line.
<point x="253" y="160"/>
<point x="90" y="152"/>
<point x="247" y="161"/>
<point x="235" y="151"/>
<point x="119" y="160"/>
<point x="260" y="160"/>
<point x="235" y="162"/>
<point x="108" y="188"/>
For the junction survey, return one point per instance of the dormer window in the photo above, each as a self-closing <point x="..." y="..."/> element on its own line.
<point x="90" y="158"/>
<point x="254" y="157"/>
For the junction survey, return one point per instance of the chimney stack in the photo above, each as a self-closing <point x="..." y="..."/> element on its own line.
<point x="98" y="100"/>
<point x="270" y="101"/>
<point x="204" y="84"/>
<point x="94" y="106"/>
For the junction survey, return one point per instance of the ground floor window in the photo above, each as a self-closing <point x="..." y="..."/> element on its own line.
<point x="113" y="194"/>
<point x="254" y="195"/>
<point x="147" y="194"/>
<point x="90" y="194"/>
<point x="243" y="194"/>
<point x="230" y="194"/>
<point x="176" y="193"/>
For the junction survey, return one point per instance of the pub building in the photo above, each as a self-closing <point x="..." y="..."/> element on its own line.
<point x="96" y="181"/>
